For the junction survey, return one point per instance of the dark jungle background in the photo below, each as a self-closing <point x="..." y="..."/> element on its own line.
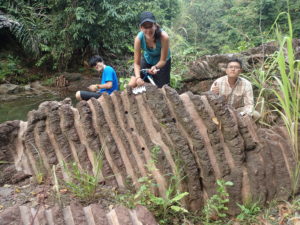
<point x="58" y="35"/>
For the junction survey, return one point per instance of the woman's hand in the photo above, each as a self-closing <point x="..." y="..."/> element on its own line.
<point x="153" y="70"/>
<point x="140" y="81"/>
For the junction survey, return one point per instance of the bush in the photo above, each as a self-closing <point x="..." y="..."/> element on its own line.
<point x="10" y="68"/>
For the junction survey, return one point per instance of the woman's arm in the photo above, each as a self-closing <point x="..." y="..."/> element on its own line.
<point x="137" y="56"/>
<point x="137" y="80"/>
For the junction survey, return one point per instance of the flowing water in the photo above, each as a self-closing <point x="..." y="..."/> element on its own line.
<point x="18" y="109"/>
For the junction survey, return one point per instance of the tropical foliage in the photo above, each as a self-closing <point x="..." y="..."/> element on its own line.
<point x="222" y="25"/>
<point x="59" y="34"/>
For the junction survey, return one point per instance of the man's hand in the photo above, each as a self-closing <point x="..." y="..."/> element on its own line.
<point x="215" y="88"/>
<point x="140" y="81"/>
<point x="93" y="87"/>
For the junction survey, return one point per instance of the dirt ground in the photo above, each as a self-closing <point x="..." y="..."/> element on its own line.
<point x="31" y="194"/>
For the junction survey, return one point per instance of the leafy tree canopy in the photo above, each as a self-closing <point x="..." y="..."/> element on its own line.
<point x="66" y="29"/>
<point x="58" y="32"/>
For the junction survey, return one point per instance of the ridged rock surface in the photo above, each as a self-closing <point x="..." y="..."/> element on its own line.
<point x="156" y="132"/>
<point x="76" y="215"/>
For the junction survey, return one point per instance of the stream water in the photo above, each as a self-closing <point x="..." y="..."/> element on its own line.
<point x="18" y="109"/>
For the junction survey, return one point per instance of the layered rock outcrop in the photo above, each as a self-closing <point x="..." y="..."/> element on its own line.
<point x="204" y="70"/>
<point x="77" y="215"/>
<point x="158" y="132"/>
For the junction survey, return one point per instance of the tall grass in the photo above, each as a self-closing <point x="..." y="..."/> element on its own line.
<point x="83" y="184"/>
<point x="288" y="91"/>
<point x="262" y="79"/>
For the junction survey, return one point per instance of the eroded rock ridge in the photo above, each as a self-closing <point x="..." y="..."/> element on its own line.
<point x="158" y="132"/>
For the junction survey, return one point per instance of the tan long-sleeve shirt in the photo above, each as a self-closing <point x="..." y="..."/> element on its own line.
<point x="240" y="96"/>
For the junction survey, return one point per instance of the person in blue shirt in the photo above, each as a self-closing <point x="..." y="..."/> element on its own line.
<point x="109" y="80"/>
<point x="154" y="42"/>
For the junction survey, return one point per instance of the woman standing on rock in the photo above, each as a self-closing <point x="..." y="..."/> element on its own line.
<point x="154" y="42"/>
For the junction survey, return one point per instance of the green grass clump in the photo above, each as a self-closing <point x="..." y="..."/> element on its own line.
<point x="83" y="184"/>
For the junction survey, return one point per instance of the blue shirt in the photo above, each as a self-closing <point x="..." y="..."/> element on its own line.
<point x="109" y="74"/>
<point x="151" y="55"/>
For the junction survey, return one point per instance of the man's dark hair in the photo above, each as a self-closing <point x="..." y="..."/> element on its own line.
<point x="94" y="60"/>
<point x="236" y="60"/>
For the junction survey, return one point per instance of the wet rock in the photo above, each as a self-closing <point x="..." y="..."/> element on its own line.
<point x="10" y="92"/>
<point x="10" y="89"/>
<point x="27" y="87"/>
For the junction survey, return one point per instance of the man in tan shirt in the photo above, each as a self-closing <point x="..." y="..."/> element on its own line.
<point x="237" y="90"/>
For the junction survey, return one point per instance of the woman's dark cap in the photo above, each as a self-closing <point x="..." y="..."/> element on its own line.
<point x="147" y="17"/>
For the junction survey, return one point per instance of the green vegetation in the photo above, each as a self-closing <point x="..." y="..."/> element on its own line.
<point x="40" y="168"/>
<point x="10" y="67"/>
<point x="277" y="86"/>
<point x="12" y="71"/>
<point x="215" y="208"/>
<point x="57" y="32"/>
<point x="123" y="81"/>
<point x="261" y="80"/>
<point x="249" y="213"/>
<point x="49" y="82"/>
<point x="166" y="209"/>
<point x="183" y="52"/>
<point x="61" y="34"/>
<point x="83" y="184"/>
<point x="230" y="26"/>
<point x="288" y="94"/>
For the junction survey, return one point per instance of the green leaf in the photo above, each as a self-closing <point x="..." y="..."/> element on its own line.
<point x="228" y="183"/>
<point x="178" y="209"/>
<point x="157" y="200"/>
<point x="180" y="196"/>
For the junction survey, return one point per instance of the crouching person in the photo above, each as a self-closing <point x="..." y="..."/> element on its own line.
<point x="108" y="81"/>
<point x="237" y="90"/>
